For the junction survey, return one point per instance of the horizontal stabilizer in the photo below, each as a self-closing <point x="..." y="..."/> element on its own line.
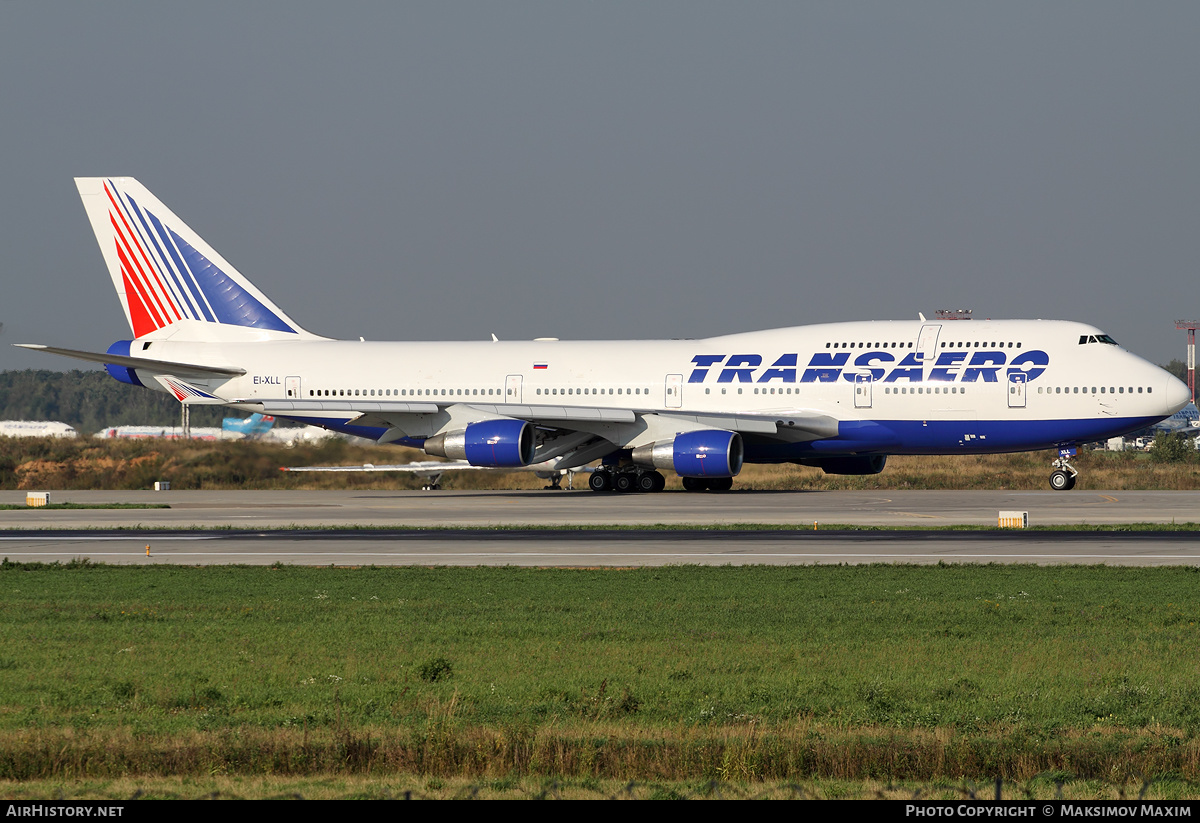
<point x="159" y="366"/>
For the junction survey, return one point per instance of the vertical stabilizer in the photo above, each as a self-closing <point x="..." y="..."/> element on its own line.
<point x="167" y="277"/>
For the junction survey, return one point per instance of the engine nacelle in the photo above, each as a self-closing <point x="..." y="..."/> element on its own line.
<point x="849" y="464"/>
<point x="493" y="443"/>
<point x="122" y="373"/>
<point x="709" y="453"/>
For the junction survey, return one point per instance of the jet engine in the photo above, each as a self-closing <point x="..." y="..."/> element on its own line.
<point x="122" y="373"/>
<point x="494" y="443"/>
<point x="709" y="453"/>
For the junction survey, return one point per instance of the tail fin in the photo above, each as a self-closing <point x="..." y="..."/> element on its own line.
<point x="167" y="276"/>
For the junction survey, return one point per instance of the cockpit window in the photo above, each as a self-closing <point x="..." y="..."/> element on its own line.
<point x="1096" y="338"/>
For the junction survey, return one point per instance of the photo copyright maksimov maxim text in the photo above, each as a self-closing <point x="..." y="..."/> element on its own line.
<point x="61" y="810"/>
<point x="1048" y="810"/>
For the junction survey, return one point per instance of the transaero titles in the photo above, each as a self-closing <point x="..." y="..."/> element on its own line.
<point x="828" y="367"/>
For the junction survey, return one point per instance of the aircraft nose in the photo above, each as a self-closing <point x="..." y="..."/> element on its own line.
<point x="1177" y="394"/>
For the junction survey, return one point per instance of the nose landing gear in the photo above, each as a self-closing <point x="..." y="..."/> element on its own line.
<point x="1062" y="479"/>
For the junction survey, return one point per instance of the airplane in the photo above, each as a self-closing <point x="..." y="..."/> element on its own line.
<point x="36" y="428"/>
<point x="1185" y="420"/>
<point x="253" y="427"/>
<point x="158" y="433"/>
<point x="250" y="428"/>
<point x="838" y="396"/>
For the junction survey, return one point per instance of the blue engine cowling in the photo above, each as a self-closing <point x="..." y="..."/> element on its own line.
<point x="122" y="373"/>
<point x="501" y="444"/>
<point x="708" y="453"/>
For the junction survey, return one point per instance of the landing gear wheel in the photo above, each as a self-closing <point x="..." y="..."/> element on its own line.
<point x="645" y="483"/>
<point x="600" y="482"/>
<point x="623" y="483"/>
<point x="660" y="482"/>
<point x="720" y="484"/>
<point x="1061" y="481"/>
<point x="694" y="484"/>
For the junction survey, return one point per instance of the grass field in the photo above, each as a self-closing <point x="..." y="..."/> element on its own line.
<point x="752" y="676"/>
<point x="48" y="464"/>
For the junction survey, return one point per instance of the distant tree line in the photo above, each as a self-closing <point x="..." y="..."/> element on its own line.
<point x="91" y="401"/>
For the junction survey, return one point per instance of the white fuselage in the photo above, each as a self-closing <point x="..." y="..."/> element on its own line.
<point x="969" y="386"/>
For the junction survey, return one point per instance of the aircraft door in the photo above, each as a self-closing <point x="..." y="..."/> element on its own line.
<point x="927" y="342"/>
<point x="862" y="391"/>
<point x="674" y="397"/>
<point x="1016" y="391"/>
<point x="291" y="387"/>
<point x="512" y="388"/>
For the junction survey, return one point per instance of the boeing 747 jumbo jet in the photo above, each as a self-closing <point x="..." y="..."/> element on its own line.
<point x="839" y="396"/>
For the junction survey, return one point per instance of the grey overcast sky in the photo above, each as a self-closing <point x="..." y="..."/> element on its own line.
<point x="445" y="170"/>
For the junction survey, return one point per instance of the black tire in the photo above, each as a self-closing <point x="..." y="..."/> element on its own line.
<point x="1072" y="484"/>
<point x="645" y="483"/>
<point x="623" y="482"/>
<point x="720" y="484"/>
<point x="1061" y="481"/>
<point x="660" y="482"/>
<point x="694" y="484"/>
<point x="600" y="482"/>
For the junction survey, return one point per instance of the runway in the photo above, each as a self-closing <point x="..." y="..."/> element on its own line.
<point x="256" y="528"/>
<point x="599" y="548"/>
<point x="417" y="509"/>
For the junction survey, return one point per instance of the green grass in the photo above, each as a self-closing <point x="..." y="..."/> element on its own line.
<point x="747" y="673"/>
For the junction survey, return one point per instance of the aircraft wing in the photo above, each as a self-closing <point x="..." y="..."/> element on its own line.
<point x="567" y="437"/>
<point x="786" y="423"/>
<point x="424" y="467"/>
<point x="431" y="471"/>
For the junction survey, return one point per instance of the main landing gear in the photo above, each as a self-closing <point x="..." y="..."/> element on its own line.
<point x="1062" y="479"/>
<point x="636" y="480"/>
<point x="607" y="480"/>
